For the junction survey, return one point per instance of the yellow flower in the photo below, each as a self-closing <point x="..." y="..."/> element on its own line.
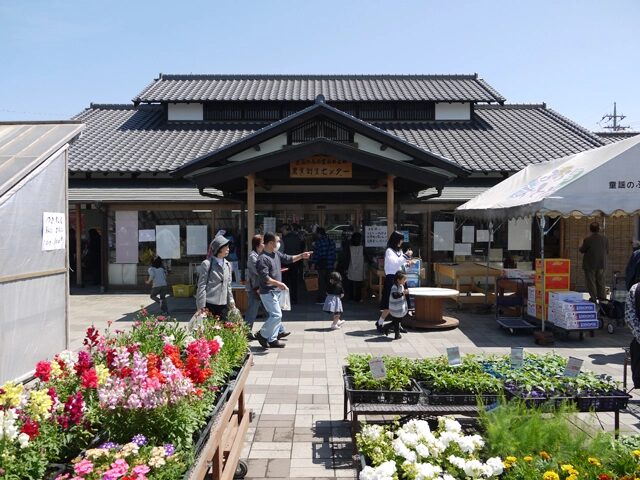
<point x="102" y="372"/>
<point x="507" y="465"/>
<point x="527" y="458"/>
<point x="594" y="461"/>
<point x="572" y="477"/>
<point x="550" y="475"/>
<point x="12" y="394"/>
<point x="40" y="404"/>
<point x="545" y="455"/>
<point x="511" y="459"/>
<point x="567" y="467"/>
<point x="636" y="453"/>
<point x="56" y="371"/>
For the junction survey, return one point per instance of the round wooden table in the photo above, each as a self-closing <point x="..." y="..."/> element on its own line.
<point x="429" y="302"/>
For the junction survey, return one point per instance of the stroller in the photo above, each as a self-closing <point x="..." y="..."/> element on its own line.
<point x="611" y="311"/>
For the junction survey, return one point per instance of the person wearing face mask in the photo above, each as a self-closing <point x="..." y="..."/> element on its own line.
<point x="269" y="269"/>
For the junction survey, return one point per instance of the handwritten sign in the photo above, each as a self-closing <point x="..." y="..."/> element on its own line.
<point x="453" y="356"/>
<point x="270" y="224"/>
<point x="53" y="231"/>
<point x="378" y="370"/>
<point x="517" y="357"/>
<point x="375" y="236"/>
<point x="320" y="166"/>
<point x="573" y="367"/>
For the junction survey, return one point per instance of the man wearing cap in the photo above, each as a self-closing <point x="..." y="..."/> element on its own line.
<point x="269" y="268"/>
<point x="214" y="281"/>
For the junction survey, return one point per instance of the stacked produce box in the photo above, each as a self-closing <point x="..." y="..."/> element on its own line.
<point x="570" y="311"/>
<point x="557" y="272"/>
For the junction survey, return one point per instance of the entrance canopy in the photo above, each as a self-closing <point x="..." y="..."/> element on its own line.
<point x="604" y="180"/>
<point x="316" y="147"/>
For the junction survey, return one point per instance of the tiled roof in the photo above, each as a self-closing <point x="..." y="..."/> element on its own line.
<point x="120" y="138"/>
<point x="613" y="137"/>
<point x="199" y="88"/>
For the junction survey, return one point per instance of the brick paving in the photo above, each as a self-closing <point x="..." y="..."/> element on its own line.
<point x="296" y="392"/>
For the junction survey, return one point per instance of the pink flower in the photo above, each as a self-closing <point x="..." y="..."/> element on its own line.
<point x="83" y="467"/>
<point x="141" y="469"/>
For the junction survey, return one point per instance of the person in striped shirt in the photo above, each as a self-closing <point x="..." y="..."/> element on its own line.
<point x="398" y="307"/>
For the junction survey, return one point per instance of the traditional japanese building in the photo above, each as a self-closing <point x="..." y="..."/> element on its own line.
<point x="248" y="152"/>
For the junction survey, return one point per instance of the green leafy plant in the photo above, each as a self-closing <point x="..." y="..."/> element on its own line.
<point x="399" y="373"/>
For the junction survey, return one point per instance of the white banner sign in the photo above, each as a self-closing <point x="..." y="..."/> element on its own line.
<point x="168" y="241"/>
<point x="53" y="231"/>
<point x="196" y="239"/>
<point x="468" y="232"/>
<point x="146" y="235"/>
<point x="126" y="236"/>
<point x="519" y="234"/>
<point x="443" y="236"/>
<point x="375" y="236"/>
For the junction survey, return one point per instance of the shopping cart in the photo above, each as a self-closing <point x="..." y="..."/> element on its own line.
<point x="611" y="310"/>
<point x="510" y="304"/>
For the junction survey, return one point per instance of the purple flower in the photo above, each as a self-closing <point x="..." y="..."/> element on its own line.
<point x="108" y="446"/>
<point x="139" y="440"/>
<point x="169" y="449"/>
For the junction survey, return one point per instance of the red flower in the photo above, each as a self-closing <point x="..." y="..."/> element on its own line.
<point x="193" y="370"/>
<point x="54" y="398"/>
<point x="43" y="371"/>
<point x="73" y="410"/>
<point x="92" y="337"/>
<point x="604" y="476"/>
<point x="214" y="346"/>
<point x="173" y="353"/>
<point x="89" y="379"/>
<point x="161" y="318"/>
<point x="153" y="367"/>
<point x="84" y="363"/>
<point x="31" y="428"/>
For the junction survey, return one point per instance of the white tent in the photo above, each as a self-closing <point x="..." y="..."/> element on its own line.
<point x="602" y="181"/>
<point x="33" y="248"/>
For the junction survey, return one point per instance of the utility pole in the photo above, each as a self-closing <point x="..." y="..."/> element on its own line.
<point x="616" y="127"/>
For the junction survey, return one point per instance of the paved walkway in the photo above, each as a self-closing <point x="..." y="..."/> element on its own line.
<point x="296" y="392"/>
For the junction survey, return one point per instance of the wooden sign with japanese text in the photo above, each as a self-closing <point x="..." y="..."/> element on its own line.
<point x="320" y="166"/>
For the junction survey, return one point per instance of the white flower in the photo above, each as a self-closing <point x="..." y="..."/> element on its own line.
<point x="408" y="438"/>
<point x="8" y="428"/>
<point x="450" y="424"/>
<point x="473" y="468"/>
<point x="23" y="440"/>
<point x="218" y="339"/>
<point x="456" y="461"/>
<point x="493" y="467"/>
<point x="427" y="471"/>
<point x="169" y="339"/>
<point x="401" y="449"/>
<point x="466" y="444"/>
<point x="384" y="471"/>
<point x="420" y="427"/>
<point x="69" y="357"/>
<point x="446" y="476"/>
<point x="449" y="437"/>
<point x="372" y="432"/>
<point x="422" y="450"/>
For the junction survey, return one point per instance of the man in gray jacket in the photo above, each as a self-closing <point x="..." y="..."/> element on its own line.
<point x="214" y="281"/>
<point x="595" y="249"/>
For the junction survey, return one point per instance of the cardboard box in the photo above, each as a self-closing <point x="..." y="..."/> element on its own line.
<point x="547" y="296"/>
<point x="552" y="266"/>
<point x="565" y="295"/>
<point x="553" y="282"/>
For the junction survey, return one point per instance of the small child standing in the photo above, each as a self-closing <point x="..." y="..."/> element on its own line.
<point x="333" y="304"/>
<point x="398" y="307"/>
<point x="158" y="280"/>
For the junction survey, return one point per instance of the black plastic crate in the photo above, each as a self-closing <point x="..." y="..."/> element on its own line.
<point x="382" y="396"/>
<point x="610" y="402"/>
<point x="455" y="398"/>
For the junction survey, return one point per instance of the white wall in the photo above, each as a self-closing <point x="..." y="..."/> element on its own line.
<point x="185" y="111"/>
<point x="268" y="146"/>
<point x="371" y="146"/>
<point x="453" y="111"/>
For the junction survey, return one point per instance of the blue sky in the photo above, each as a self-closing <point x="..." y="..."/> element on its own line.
<point x="57" y="56"/>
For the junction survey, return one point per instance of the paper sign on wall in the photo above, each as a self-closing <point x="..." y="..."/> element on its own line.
<point x="461" y="249"/>
<point x="375" y="236"/>
<point x="168" y="241"/>
<point x="573" y="367"/>
<point x="443" y="236"/>
<point x="196" y="239"/>
<point x="517" y="357"/>
<point x="270" y="224"/>
<point x="468" y="234"/>
<point x="519" y="234"/>
<point x="53" y="231"/>
<point x="126" y="236"/>
<point x="453" y="355"/>
<point x="147" y="235"/>
<point x="483" y="236"/>
<point x="378" y="370"/>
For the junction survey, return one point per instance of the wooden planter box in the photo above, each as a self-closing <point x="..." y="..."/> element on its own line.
<point x="224" y="435"/>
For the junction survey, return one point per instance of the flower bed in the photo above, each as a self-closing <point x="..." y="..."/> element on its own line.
<point x="158" y="381"/>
